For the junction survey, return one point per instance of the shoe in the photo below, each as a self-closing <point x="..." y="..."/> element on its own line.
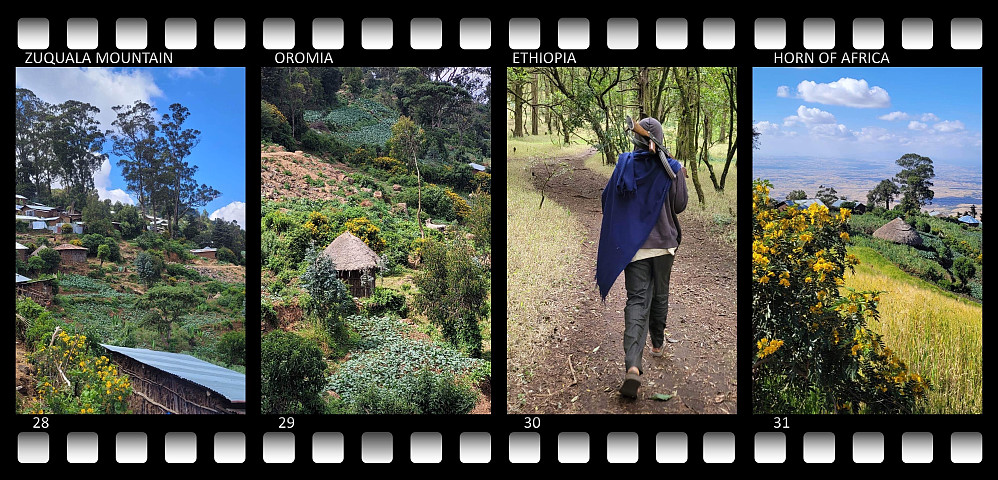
<point x="630" y="386"/>
<point x="659" y="353"/>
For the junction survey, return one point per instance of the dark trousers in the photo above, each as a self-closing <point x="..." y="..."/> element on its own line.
<point x="647" y="284"/>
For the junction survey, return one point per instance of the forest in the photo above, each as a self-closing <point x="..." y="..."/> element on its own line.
<point x="376" y="240"/>
<point x="565" y="131"/>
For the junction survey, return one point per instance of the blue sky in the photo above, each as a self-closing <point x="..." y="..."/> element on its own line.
<point x="216" y="100"/>
<point x="875" y="114"/>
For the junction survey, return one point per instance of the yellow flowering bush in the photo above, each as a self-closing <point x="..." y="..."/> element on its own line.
<point x="391" y="165"/>
<point x="366" y="231"/>
<point x="87" y="384"/>
<point x="815" y="350"/>
<point x="461" y="207"/>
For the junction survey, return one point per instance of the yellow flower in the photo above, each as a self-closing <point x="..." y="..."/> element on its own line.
<point x="764" y="279"/>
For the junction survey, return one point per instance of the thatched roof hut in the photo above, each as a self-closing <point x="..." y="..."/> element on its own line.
<point x="898" y="231"/>
<point x="353" y="259"/>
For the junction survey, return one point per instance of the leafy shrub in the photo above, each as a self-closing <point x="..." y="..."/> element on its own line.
<point x="226" y="255"/>
<point x="426" y="393"/>
<point x="385" y="301"/>
<point x="274" y="126"/>
<point x="452" y="291"/>
<point x="292" y="374"/>
<point x="93" y="241"/>
<point x="21" y="226"/>
<point x="149" y="240"/>
<point x="232" y="347"/>
<point x="51" y="258"/>
<point x="815" y="351"/>
<point x="147" y="267"/>
<point x="329" y="299"/>
<point x="179" y="271"/>
<point x="314" y="141"/>
<point x="36" y="264"/>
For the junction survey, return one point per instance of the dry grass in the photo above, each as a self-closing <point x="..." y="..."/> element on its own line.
<point x="940" y="337"/>
<point x="540" y="246"/>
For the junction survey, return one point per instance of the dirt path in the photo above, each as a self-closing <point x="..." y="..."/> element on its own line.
<point x="584" y="362"/>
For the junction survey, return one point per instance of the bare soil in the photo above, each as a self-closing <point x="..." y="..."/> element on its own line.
<point x="582" y="364"/>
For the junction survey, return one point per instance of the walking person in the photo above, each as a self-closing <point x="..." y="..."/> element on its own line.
<point x="639" y="235"/>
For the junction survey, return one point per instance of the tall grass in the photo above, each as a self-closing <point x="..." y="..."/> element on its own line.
<point x="937" y="334"/>
<point x="541" y="244"/>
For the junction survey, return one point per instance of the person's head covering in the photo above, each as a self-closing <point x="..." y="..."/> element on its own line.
<point x="654" y="127"/>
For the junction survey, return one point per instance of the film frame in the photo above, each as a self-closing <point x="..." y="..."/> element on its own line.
<point x="743" y="441"/>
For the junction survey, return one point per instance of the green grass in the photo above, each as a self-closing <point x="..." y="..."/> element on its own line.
<point x="938" y="334"/>
<point x="541" y="245"/>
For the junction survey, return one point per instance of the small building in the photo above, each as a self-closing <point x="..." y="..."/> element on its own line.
<point x="41" y="211"/>
<point x="856" y="207"/>
<point x="477" y="167"/>
<point x="206" y="252"/>
<point x="34" y="223"/>
<point x="38" y="290"/>
<point x="804" y="204"/>
<point x="354" y="261"/>
<point x="20" y="199"/>
<point x="970" y="221"/>
<point x="174" y="383"/>
<point x="22" y="252"/>
<point x="72" y="253"/>
<point x="898" y="231"/>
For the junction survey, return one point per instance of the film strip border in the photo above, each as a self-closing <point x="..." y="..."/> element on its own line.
<point x="230" y="447"/>
<point x="476" y="33"/>
<point x="476" y="447"/>
<point x="524" y="447"/>
<point x="231" y="33"/>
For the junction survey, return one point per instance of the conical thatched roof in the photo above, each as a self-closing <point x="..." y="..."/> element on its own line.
<point x="898" y="231"/>
<point x="351" y="253"/>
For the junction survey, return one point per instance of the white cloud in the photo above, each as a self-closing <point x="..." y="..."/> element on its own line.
<point x="766" y="127"/>
<point x="914" y="125"/>
<point x="832" y="131"/>
<point x="874" y="134"/>
<point x="809" y="116"/>
<point x="185" y="72"/>
<point x="233" y="211"/>
<point x="844" y="91"/>
<point x="890" y="117"/>
<point x="783" y="91"/>
<point x="948" y="126"/>
<point x="929" y="117"/>
<point x="100" y="87"/>
<point x="102" y="182"/>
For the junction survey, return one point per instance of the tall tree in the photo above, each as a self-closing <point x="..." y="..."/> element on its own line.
<point x="179" y="142"/>
<point x="404" y="143"/>
<point x="534" y="98"/>
<point x="686" y="128"/>
<point x="77" y="141"/>
<point x="884" y="192"/>
<point x="914" y="181"/>
<point x="34" y="158"/>
<point x="134" y="140"/>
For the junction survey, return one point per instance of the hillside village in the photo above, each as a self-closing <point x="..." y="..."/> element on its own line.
<point x="128" y="300"/>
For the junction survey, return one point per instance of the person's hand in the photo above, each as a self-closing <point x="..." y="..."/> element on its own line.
<point x="684" y="172"/>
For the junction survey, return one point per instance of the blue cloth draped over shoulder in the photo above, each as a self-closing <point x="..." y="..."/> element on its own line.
<point x="632" y="202"/>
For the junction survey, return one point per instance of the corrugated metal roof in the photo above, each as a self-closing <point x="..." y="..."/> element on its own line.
<point x="228" y="383"/>
<point x="968" y="219"/>
<point x="18" y="278"/>
<point x="20" y="247"/>
<point x="204" y="250"/>
<point x="480" y="168"/>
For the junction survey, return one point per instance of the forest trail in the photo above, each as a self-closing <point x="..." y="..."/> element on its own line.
<point x="583" y="363"/>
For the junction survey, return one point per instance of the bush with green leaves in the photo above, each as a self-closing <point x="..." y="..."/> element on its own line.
<point x="329" y="299"/>
<point x="149" y="240"/>
<point x="385" y="301"/>
<point x="224" y="254"/>
<point x="93" y="241"/>
<point x="36" y="264"/>
<point x="146" y="267"/>
<point x="452" y="290"/>
<point x="51" y="258"/>
<point x="232" y="347"/>
<point x="21" y="226"/>
<point x="291" y="370"/>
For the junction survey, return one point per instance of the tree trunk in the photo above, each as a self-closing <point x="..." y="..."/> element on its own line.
<point x="534" y="97"/>
<point x="730" y="82"/>
<point x="686" y="138"/>
<point x="642" y="92"/>
<point x="419" y="197"/>
<point x="517" y="109"/>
